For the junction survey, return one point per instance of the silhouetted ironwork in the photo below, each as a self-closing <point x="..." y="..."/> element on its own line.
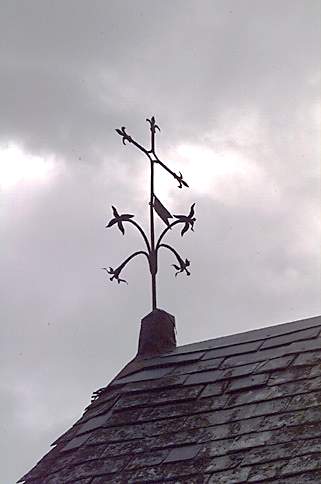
<point x="156" y="205"/>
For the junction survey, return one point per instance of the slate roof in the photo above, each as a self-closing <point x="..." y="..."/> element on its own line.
<point x="240" y="408"/>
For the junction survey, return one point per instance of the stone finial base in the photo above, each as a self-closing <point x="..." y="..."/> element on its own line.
<point x="157" y="334"/>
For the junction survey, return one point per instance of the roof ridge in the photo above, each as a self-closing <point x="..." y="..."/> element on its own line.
<point x="262" y="333"/>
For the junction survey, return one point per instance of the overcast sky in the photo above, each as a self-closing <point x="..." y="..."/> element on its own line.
<point x="235" y="88"/>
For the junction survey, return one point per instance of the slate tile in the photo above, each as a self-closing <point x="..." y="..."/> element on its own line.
<point x="239" y="371"/>
<point x="213" y="389"/>
<point x="214" y="432"/>
<point x="315" y="370"/>
<point x="223" y="462"/>
<point x="295" y="418"/>
<point x="176" y="394"/>
<point x="205" y="377"/>
<point x="104" y="480"/>
<point x="291" y="337"/>
<point x="94" y="423"/>
<point x="122" y="448"/>
<point x="270" y="453"/>
<point x="147" y="459"/>
<point x="127" y="416"/>
<point x="301" y="386"/>
<point x="212" y="364"/>
<point x="270" y="354"/>
<point x="238" y="413"/>
<point x="56" y="479"/>
<point x="231" y="476"/>
<point x="174" y="359"/>
<point x="137" y="431"/>
<point x="116" y="434"/>
<point x="270" y="406"/>
<point x="311" y="446"/>
<point x="63" y="476"/>
<point x="256" y="395"/>
<point x="302" y="464"/>
<point x="62" y="461"/>
<point x="213" y="376"/>
<point x="255" y="357"/>
<point x="313" y="384"/>
<point x="218" y="448"/>
<point x="312" y="477"/>
<point x="246" y="382"/>
<point x="236" y="349"/>
<point x="219" y="417"/>
<point x="246" y="426"/>
<point x="208" y="419"/>
<point x="179" y="409"/>
<point x="143" y="375"/>
<point x="183" y="453"/>
<point x="305" y="400"/>
<point x="132" y="400"/>
<point x="308" y="345"/>
<point x="259" y="409"/>
<point x="291" y="374"/>
<point x="164" y="472"/>
<point x="275" y="364"/>
<point x="248" y="441"/>
<point x="88" y="453"/>
<point x="66" y="436"/>
<point x="295" y="433"/>
<point x="97" y="467"/>
<point x="200" y="479"/>
<point x="167" y="425"/>
<point x="99" y="409"/>
<point x="174" y="439"/>
<point x="164" y="382"/>
<point x="270" y="471"/>
<point x="308" y="358"/>
<point x="76" y="442"/>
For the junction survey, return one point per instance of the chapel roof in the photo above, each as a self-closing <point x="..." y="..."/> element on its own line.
<point x="234" y="409"/>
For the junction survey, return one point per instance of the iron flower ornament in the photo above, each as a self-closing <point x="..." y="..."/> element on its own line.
<point x="155" y="206"/>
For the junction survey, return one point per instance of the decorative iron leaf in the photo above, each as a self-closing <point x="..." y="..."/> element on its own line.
<point x="161" y="210"/>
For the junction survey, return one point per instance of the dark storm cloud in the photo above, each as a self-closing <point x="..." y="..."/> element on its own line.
<point x="71" y="73"/>
<point x="231" y="77"/>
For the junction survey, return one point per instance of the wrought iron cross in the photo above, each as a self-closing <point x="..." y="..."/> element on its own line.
<point x="155" y="205"/>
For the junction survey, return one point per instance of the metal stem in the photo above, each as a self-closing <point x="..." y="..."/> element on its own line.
<point x="123" y="264"/>
<point x="153" y="254"/>
<point x="169" y="247"/>
<point x="166" y="230"/>
<point x="141" y="231"/>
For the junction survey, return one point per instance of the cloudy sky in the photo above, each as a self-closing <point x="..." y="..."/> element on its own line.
<point x="235" y="87"/>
